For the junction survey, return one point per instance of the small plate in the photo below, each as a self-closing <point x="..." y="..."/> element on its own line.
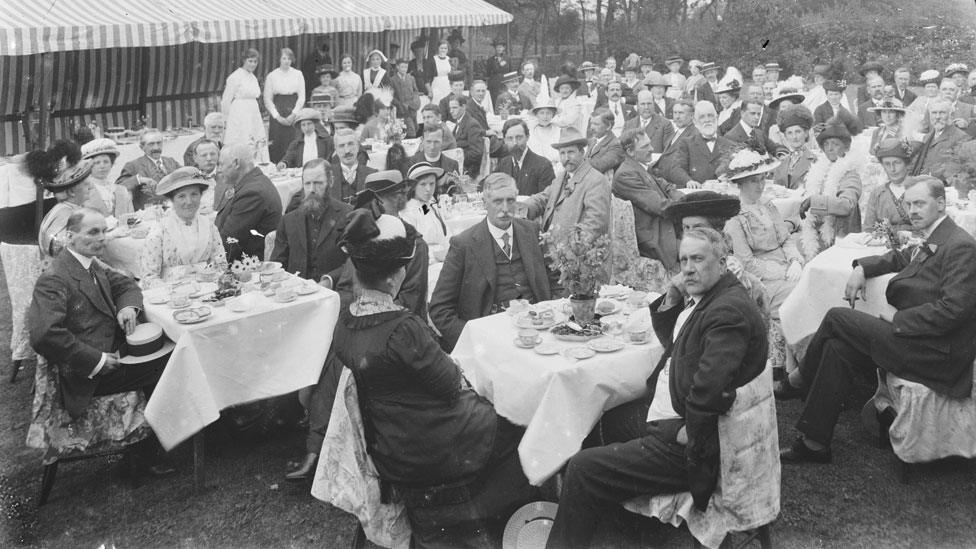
<point x="546" y="349"/>
<point x="579" y="353"/>
<point x="518" y="343"/>
<point x="191" y="316"/>
<point x="524" y="320"/>
<point x="605" y="310"/>
<point x="279" y="300"/>
<point x="188" y="303"/>
<point x="605" y="345"/>
<point x="158" y="299"/>
<point x="307" y="289"/>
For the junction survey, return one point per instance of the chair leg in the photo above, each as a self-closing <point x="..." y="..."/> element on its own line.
<point x="764" y="537"/>
<point x="16" y="369"/>
<point x="47" y="482"/>
<point x="358" y="538"/>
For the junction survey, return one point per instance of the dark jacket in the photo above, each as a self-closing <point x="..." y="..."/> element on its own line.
<point x="658" y="129"/>
<point x="761" y="143"/>
<point x="722" y="346"/>
<point x="824" y="112"/>
<point x="649" y="196"/>
<point x="292" y="246"/>
<point x="342" y="190"/>
<point x="470" y="138"/>
<point x="71" y="324"/>
<point x="866" y="117"/>
<point x="935" y="152"/>
<point x="668" y="108"/>
<point x="906" y="98"/>
<point x="692" y="160"/>
<point x="147" y="168"/>
<point x="466" y="286"/>
<point x="606" y="154"/>
<point x="293" y="156"/>
<point x="255" y="205"/>
<point x="936" y="300"/>
<point x="533" y="176"/>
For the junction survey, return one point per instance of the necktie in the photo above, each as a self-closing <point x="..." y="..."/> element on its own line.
<point x="159" y="164"/>
<point x="92" y="270"/>
<point x="516" y="164"/>
<point x="427" y="208"/>
<point x="506" y="245"/>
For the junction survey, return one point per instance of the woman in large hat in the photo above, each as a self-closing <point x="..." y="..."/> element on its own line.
<point x="107" y="198"/>
<point x="895" y="155"/>
<point x="545" y="132"/>
<point x="891" y="114"/>
<point x="72" y="189"/>
<point x="833" y="188"/>
<point x="569" y="104"/>
<point x="794" y="122"/>
<point x="728" y="98"/>
<point x="422" y="210"/>
<point x="182" y="240"/>
<point x="424" y="429"/>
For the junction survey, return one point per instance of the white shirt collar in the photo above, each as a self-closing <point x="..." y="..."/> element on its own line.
<point x="746" y="127"/>
<point x="85" y="261"/>
<point x="497" y="233"/>
<point x="521" y="159"/>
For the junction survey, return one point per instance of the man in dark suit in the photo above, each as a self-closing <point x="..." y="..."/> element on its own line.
<point x="307" y="239"/>
<point x="495" y="67"/>
<point x="254" y="204"/>
<point x="937" y="147"/>
<point x="654" y="125"/>
<point x="715" y="341"/>
<point x="489" y="264"/>
<point x="705" y="91"/>
<point x="604" y="152"/>
<point x="79" y="316"/>
<point x="903" y="77"/>
<point x="962" y="114"/>
<point x="473" y="108"/>
<point x="649" y="196"/>
<point x="140" y="176"/>
<point x="532" y="172"/>
<point x="350" y="172"/>
<point x="406" y="97"/>
<point x="213" y="130"/>
<point x="430" y="151"/>
<point x="748" y="131"/>
<point x="875" y="90"/>
<point x="928" y="340"/>
<point x="697" y="158"/>
<point x="470" y="136"/>
<point x="682" y="127"/>
<point x="618" y="107"/>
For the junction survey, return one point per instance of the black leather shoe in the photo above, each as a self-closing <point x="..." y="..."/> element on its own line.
<point x="305" y="469"/>
<point x="782" y="390"/>
<point x="800" y="453"/>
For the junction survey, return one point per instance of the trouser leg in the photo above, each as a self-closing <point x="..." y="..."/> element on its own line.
<point x="598" y="478"/>
<point x="130" y="377"/>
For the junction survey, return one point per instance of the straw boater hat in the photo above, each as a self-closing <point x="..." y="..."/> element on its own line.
<point x="420" y="169"/>
<point x="930" y="76"/>
<point x="892" y="104"/>
<point x="566" y="79"/>
<point x="674" y="59"/>
<point x="377" y="242"/>
<point x="747" y="162"/>
<point x="378" y="183"/>
<point x="774" y="66"/>
<point x="703" y="203"/>
<point x="182" y="177"/>
<point x="956" y="68"/>
<point x="96" y="147"/>
<point x="529" y="526"/>
<point x="146" y="343"/>
<point x="587" y="66"/>
<point x="307" y="114"/>
<point x="510" y="77"/>
<point x="549" y="104"/>
<point x="705" y="67"/>
<point x="655" y="78"/>
<point x="69" y="177"/>
<point x="570" y="136"/>
<point x="344" y="114"/>
<point x="893" y="147"/>
<point x="326" y="68"/>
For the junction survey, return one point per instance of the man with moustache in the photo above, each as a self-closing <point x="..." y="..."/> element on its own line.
<point x="205" y="156"/>
<point x="140" y="176"/>
<point x="657" y="128"/>
<point x="697" y="158"/>
<point x="489" y="264"/>
<point x="937" y="147"/>
<point x="430" y="152"/>
<point x="253" y="207"/>
<point x="682" y="126"/>
<point x="213" y="130"/>
<point x="531" y="172"/>
<point x="618" y="107"/>
<point x="350" y="172"/>
<point x="961" y="114"/>
<point x="604" y="152"/>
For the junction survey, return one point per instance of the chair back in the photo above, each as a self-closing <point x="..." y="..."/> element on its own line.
<point x="627" y="266"/>
<point x="269" y="244"/>
<point x="456" y="154"/>
<point x="110" y="423"/>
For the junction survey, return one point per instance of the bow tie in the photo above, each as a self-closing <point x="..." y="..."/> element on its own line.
<point x="710" y="139"/>
<point x="425" y="208"/>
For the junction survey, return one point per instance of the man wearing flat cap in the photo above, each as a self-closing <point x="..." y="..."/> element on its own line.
<point x="313" y="141"/>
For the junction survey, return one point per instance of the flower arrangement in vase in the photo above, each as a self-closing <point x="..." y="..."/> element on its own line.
<point x="582" y="260"/>
<point x="242" y="269"/>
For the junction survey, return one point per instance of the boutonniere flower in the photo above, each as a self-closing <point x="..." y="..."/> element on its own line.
<point x="930" y="249"/>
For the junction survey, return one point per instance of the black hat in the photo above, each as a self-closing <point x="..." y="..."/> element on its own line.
<point x="378" y="183"/>
<point x="455" y="35"/>
<point x="794" y="115"/>
<point x="69" y="177"/>
<point x="455" y="76"/>
<point x="376" y="241"/>
<point x="326" y="68"/>
<point x="836" y="128"/>
<point x="835" y="85"/>
<point x="418" y="44"/>
<point x="703" y="203"/>
<point x="565" y="79"/>
<point x="893" y="147"/>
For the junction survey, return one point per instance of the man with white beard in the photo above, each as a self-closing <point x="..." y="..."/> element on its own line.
<point x="696" y="159"/>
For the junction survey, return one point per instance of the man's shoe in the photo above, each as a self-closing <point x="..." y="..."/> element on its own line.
<point x="800" y="453"/>
<point x="782" y="390"/>
<point x="305" y="470"/>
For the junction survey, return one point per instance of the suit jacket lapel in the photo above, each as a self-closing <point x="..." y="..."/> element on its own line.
<point x="521" y="236"/>
<point x="486" y="255"/>
<point x="87" y="286"/>
<point x="328" y="224"/>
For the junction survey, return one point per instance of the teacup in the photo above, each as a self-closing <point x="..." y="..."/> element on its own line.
<point x="636" y="299"/>
<point x="179" y="299"/>
<point x="285" y="294"/>
<point x="637" y="335"/>
<point x="528" y="337"/>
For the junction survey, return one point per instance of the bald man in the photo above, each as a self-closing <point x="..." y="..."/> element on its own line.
<point x="249" y="208"/>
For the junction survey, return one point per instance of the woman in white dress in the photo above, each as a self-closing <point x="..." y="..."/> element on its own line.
<point x="240" y="107"/>
<point x="107" y="198"/>
<point x="545" y="133"/>
<point x="438" y="68"/>
<point x="569" y="105"/>
<point x="422" y="211"/>
<point x="284" y="93"/>
<point x="348" y="83"/>
<point x="374" y="75"/>
<point x="182" y="240"/>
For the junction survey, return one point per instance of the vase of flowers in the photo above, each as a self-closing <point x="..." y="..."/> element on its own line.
<point x="582" y="259"/>
<point x="244" y="268"/>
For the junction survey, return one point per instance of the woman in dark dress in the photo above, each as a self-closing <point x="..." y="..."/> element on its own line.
<point x="449" y="457"/>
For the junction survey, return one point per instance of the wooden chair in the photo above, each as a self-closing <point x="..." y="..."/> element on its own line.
<point x="110" y="424"/>
<point x="746" y="500"/>
<point x="927" y="425"/>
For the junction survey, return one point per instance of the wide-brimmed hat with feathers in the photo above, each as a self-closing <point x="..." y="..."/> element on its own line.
<point x="704" y="204"/>
<point x="377" y="242"/>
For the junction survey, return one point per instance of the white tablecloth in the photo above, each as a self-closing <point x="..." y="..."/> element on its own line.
<point x="559" y="400"/>
<point x="288" y="186"/>
<point x="234" y="358"/>
<point x="821" y="288"/>
<point x="458" y="223"/>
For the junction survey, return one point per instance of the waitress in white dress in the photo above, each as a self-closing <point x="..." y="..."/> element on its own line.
<point x="284" y="93"/>
<point x="374" y="75"/>
<point x="240" y="107"/>
<point x="422" y="212"/>
<point x="438" y="67"/>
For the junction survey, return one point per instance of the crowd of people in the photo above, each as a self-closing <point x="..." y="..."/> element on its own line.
<point x="694" y="150"/>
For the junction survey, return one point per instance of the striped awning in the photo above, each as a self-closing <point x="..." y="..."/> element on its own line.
<point x="39" y="26"/>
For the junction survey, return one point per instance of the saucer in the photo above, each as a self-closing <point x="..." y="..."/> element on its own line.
<point x="518" y="343"/>
<point x="546" y="349"/>
<point x="289" y="300"/>
<point x="307" y="289"/>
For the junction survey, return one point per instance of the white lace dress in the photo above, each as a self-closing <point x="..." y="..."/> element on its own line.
<point x="173" y="248"/>
<point x="240" y="107"/>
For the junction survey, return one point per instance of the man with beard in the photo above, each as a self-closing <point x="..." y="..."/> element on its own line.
<point x="350" y="172"/>
<point x="531" y="172"/>
<point x="696" y="159"/>
<point x="254" y="207"/>
<point x="875" y="90"/>
<point x="140" y="176"/>
<point x="937" y="146"/>
<point x="307" y="240"/>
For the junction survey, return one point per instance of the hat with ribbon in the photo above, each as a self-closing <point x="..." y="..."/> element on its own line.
<point x="344" y="114"/>
<point x="587" y="66"/>
<point x="510" y="77"/>
<point x="893" y="147"/>
<point x="306" y="113"/>
<point x="378" y="183"/>
<point x="673" y="59"/>
<point x="420" y="169"/>
<point x="146" y="343"/>
<point x="774" y="66"/>
<point x="786" y="93"/>
<point x="70" y="177"/>
<point x="181" y="177"/>
<point x="566" y="79"/>
<point x="732" y="86"/>
<point x="97" y="147"/>
<point x="706" y="67"/>
<point x="570" y="136"/>
<point x="655" y="79"/>
<point x="891" y="104"/>
<point x="376" y="241"/>
<point x="747" y="162"/>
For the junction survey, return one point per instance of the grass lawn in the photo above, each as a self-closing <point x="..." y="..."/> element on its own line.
<point x="855" y="502"/>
